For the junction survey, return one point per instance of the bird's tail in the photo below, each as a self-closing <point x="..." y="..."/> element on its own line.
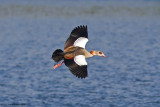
<point x="58" y="55"/>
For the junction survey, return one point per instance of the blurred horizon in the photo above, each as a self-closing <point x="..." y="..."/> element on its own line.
<point x="74" y="9"/>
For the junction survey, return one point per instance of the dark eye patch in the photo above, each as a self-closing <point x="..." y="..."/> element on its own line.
<point x="100" y="52"/>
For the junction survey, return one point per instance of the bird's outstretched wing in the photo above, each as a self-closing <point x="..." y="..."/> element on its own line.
<point x="78" y="66"/>
<point x="78" y="37"/>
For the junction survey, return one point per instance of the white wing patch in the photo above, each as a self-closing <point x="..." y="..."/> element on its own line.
<point x="81" y="42"/>
<point x="80" y="60"/>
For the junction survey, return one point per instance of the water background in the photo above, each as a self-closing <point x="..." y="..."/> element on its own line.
<point x="128" y="32"/>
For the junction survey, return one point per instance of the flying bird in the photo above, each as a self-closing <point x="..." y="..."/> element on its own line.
<point x="74" y="54"/>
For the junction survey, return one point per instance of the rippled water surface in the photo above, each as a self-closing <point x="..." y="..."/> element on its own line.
<point x="128" y="33"/>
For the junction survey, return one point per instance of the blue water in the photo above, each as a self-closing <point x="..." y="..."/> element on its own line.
<point x="128" y="76"/>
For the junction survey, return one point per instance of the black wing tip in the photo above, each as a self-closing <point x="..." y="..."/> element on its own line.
<point x="82" y="74"/>
<point x="82" y="77"/>
<point x="83" y="27"/>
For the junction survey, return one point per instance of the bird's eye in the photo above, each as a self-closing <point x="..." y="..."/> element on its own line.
<point x="100" y="52"/>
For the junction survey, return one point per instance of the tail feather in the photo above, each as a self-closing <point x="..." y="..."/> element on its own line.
<point x="58" y="55"/>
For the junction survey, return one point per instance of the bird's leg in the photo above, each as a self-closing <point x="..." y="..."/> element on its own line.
<point x="57" y="65"/>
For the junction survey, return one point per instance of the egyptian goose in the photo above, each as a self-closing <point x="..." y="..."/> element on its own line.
<point x="74" y="53"/>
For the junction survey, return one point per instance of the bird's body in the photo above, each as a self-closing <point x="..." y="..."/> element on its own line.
<point x="74" y="53"/>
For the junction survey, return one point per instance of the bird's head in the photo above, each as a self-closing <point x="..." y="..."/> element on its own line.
<point x="98" y="53"/>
